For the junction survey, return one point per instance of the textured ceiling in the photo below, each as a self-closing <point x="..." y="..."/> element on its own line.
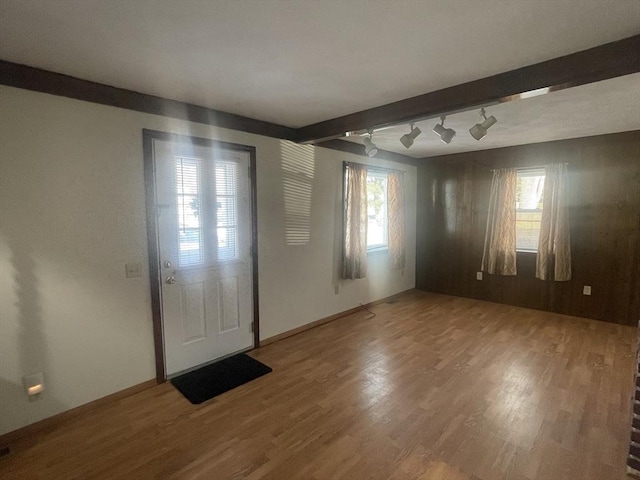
<point x="599" y="108"/>
<point x="299" y="62"/>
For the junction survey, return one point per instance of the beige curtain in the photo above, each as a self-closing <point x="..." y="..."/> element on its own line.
<point x="395" y="213"/>
<point x="354" y="255"/>
<point x="499" y="255"/>
<point x="553" y="261"/>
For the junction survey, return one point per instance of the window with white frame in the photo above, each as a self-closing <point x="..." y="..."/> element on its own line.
<point x="377" y="228"/>
<point x="529" y="190"/>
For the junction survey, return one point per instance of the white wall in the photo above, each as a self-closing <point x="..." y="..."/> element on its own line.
<point x="72" y="213"/>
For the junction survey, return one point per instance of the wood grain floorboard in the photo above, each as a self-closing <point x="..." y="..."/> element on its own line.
<point x="431" y="387"/>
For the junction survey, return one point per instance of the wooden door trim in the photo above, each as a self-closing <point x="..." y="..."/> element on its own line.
<point x="155" y="282"/>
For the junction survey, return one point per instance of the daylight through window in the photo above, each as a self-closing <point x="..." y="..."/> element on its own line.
<point x="377" y="234"/>
<point x="196" y="214"/>
<point x="529" y="192"/>
<point x="226" y="214"/>
<point x="190" y="229"/>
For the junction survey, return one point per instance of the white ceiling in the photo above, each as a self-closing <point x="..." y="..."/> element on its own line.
<point x="599" y="108"/>
<point x="298" y="62"/>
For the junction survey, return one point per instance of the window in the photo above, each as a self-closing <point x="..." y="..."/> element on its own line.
<point x="226" y="202"/>
<point x="195" y="212"/>
<point x="377" y="227"/>
<point x="529" y="191"/>
<point x="190" y="231"/>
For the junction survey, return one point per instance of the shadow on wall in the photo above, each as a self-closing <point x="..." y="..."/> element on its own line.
<point x="298" y="169"/>
<point x="30" y="347"/>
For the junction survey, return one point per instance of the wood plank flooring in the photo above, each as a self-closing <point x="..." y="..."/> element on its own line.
<point x="432" y="387"/>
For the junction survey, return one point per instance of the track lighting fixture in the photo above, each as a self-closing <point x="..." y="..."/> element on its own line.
<point x="445" y="134"/>
<point x="408" y="138"/>
<point x="369" y="147"/>
<point x="479" y="130"/>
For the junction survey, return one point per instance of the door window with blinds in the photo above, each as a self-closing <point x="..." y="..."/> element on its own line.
<point x="226" y="210"/>
<point x="207" y="224"/>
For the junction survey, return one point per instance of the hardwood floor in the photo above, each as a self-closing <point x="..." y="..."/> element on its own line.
<point x="433" y="387"/>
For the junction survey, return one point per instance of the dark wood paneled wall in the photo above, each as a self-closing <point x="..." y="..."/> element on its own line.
<point x="604" y="202"/>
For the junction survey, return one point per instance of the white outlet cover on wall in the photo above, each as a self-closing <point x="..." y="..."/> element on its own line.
<point x="586" y="290"/>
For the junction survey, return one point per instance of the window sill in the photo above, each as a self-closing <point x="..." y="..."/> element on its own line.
<point x="526" y="252"/>
<point x="377" y="251"/>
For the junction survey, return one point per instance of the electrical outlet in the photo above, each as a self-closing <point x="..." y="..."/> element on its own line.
<point x="133" y="270"/>
<point x="586" y="290"/>
<point x="478" y="275"/>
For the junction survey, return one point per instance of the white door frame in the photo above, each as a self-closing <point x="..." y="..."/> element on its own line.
<point x="148" y="136"/>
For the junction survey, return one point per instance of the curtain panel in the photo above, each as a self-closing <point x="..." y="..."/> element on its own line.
<point x="395" y="213"/>
<point x="354" y="254"/>
<point x="499" y="256"/>
<point x="553" y="261"/>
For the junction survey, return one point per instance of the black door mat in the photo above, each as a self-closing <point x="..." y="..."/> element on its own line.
<point x="210" y="381"/>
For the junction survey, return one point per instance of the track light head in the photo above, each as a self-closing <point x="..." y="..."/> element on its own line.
<point x="445" y="134"/>
<point x="369" y="147"/>
<point x="479" y="130"/>
<point x="408" y="138"/>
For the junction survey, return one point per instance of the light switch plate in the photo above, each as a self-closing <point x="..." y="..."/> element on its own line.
<point x="133" y="270"/>
<point x="586" y="290"/>
<point x="478" y="275"/>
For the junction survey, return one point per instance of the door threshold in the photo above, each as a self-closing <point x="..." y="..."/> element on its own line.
<point x="215" y="360"/>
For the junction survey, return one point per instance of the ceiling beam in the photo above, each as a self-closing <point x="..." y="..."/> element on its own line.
<point x="36" y="79"/>
<point x="593" y="65"/>
<point x="357" y="149"/>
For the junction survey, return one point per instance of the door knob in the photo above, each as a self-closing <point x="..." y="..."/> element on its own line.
<point x="167" y="264"/>
<point x="170" y="280"/>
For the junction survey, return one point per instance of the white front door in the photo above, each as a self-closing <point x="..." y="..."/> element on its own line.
<point x="204" y="237"/>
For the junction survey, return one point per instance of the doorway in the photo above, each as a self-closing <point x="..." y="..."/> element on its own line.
<point x="201" y="221"/>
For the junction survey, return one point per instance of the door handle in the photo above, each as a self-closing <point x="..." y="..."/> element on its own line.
<point x="170" y="280"/>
